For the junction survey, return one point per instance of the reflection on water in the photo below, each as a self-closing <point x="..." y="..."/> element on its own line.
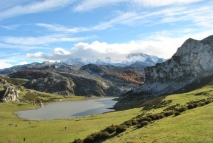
<point x="69" y="109"/>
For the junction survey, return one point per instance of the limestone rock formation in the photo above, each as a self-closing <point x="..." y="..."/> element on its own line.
<point x="11" y="94"/>
<point x="192" y="63"/>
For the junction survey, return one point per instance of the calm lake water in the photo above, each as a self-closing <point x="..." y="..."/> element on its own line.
<point x="69" y="109"/>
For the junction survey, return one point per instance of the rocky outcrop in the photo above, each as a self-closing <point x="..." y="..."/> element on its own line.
<point x="51" y="82"/>
<point x="192" y="63"/>
<point x="89" y="80"/>
<point x="11" y="94"/>
<point x="124" y="75"/>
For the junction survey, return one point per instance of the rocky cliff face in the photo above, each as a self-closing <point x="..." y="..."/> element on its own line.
<point x="192" y="62"/>
<point x="189" y="68"/>
<point x="190" y="65"/>
<point x="10" y="93"/>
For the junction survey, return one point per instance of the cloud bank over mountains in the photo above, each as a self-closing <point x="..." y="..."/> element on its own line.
<point x="37" y="30"/>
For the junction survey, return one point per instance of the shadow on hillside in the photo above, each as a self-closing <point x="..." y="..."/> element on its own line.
<point x="155" y="103"/>
<point x="199" y="83"/>
<point x="160" y="102"/>
<point x="111" y="136"/>
<point x="1" y="95"/>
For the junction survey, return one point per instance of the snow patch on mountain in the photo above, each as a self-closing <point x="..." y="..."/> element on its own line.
<point x="136" y="59"/>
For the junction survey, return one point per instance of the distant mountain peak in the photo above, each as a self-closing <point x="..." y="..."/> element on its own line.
<point x="136" y="55"/>
<point x="131" y="59"/>
<point x="190" y="65"/>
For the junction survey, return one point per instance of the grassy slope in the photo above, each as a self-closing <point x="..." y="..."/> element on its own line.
<point x="194" y="126"/>
<point x="191" y="126"/>
<point x="53" y="131"/>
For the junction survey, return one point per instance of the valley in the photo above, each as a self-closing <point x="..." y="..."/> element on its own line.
<point x="168" y="101"/>
<point x="190" y="126"/>
<point x="106" y="71"/>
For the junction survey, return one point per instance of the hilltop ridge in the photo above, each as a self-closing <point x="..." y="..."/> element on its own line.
<point x="191" y="66"/>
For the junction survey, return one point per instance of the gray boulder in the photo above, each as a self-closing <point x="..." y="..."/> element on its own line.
<point x="11" y="94"/>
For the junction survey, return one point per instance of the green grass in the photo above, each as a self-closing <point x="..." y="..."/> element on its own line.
<point x="34" y="95"/>
<point x="193" y="125"/>
<point x="16" y="81"/>
<point x="53" y="130"/>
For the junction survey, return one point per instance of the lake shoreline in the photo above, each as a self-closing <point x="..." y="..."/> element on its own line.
<point x="73" y="109"/>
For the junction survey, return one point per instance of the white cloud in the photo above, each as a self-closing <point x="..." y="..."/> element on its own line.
<point x="22" y="63"/>
<point x="195" y="15"/>
<point x="6" y="27"/>
<point x="162" y="44"/>
<point x="159" y="3"/>
<point x="60" y="51"/>
<point x="36" y="7"/>
<point x="36" y="55"/>
<point x="42" y="40"/>
<point x="59" y="28"/>
<point x="4" y="65"/>
<point x="10" y="3"/>
<point x="56" y="55"/>
<point x="116" y="51"/>
<point x="124" y="18"/>
<point x="87" y="5"/>
<point x="4" y="47"/>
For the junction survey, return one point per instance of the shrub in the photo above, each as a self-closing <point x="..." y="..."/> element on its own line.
<point x="168" y="113"/>
<point x="177" y="113"/>
<point x="88" y="139"/>
<point x="181" y="109"/>
<point x="210" y="100"/>
<point x="152" y="116"/>
<point x="110" y="129"/>
<point x="147" y="119"/>
<point x="171" y="107"/>
<point x="195" y="105"/>
<point x="190" y="106"/>
<point x="207" y="102"/>
<point x="121" y="128"/>
<point x="134" y="122"/>
<point x="101" y="135"/>
<point x="144" y="119"/>
<point x="140" y="115"/>
<point x="159" y="116"/>
<point x="202" y="103"/>
<point x="128" y="123"/>
<point x="140" y="119"/>
<point x="142" y="124"/>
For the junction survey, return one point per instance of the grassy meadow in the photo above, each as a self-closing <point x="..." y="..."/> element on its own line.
<point x="14" y="128"/>
<point x="193" y="125"/>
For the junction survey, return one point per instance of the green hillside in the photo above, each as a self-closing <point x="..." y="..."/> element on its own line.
<point x="191" y="126"/>
<point x="194" y="125"/>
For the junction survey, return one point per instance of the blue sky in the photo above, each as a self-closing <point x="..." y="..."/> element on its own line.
<point x="54" y="30"/>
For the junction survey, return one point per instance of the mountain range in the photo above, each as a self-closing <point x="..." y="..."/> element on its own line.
<point x="139" y="77"/>
<point x="138" y="60"/>
<point x="189" y="68"/>
<point x="90" y="77"/>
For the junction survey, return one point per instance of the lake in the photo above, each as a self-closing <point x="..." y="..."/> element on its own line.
<point x="69" y="109"/>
